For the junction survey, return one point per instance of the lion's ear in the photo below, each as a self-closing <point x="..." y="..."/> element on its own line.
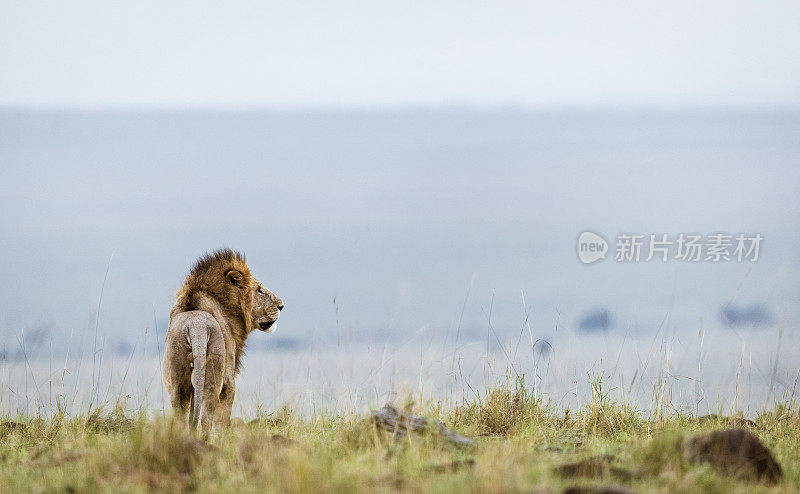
<point x="235" y="277"/>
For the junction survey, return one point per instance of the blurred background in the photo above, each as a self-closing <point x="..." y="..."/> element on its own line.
<point x="411" y="179"/>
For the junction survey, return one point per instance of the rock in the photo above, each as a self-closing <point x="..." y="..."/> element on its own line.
<point x="737" y="422"/>
<point x="400" y="424"/>
<point x="734" y="452"/>
<point x="10" y="424"/>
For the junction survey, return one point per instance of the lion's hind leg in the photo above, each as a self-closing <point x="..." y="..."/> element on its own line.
<point x="178" y="366"/>
<point x="177" y="377"/>
<point x="204" y="337"/>
<point x="181" y="402"/>
<point x="223" y="417"/>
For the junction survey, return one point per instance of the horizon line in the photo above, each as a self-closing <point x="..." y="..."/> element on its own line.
<point x="394" y="108"/>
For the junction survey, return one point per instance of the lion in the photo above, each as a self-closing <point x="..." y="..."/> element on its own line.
<point x="219" y="304"/>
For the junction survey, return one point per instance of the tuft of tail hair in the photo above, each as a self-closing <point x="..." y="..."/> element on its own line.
<point x="198" y="339"/>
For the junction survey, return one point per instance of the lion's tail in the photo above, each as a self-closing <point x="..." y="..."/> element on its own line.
<point x="198" y="338"/>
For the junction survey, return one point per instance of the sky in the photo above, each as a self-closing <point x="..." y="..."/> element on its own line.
<point x="244" y="54"/>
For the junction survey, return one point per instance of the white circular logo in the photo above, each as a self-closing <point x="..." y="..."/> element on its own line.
<point x="591" y="247"/>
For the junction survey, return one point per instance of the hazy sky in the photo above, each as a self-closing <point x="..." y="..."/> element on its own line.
<point x="362" y="53"/>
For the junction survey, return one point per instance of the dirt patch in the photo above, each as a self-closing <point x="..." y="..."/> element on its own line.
<point x="451" y="467"/>
<point x="610" y="489"/>
<point x="596" y="467"/>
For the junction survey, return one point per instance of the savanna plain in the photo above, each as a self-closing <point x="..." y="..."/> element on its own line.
<point x="519" y="443"/>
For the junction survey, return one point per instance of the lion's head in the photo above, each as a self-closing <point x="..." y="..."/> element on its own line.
<point x="225" y="276"/>
<point x="266" y="308"/>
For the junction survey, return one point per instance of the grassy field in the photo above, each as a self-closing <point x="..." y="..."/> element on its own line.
<point x="520" y="446"/>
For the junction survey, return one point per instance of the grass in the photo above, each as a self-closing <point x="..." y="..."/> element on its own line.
<point x="522" y="445"/>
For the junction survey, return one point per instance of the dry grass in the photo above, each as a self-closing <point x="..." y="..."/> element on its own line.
<point x="521" y="445"/>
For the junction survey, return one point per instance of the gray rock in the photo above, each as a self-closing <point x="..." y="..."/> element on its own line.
<point x="734" y="452"/>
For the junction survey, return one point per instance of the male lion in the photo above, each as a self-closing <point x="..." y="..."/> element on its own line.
<point x="218" y="306"/>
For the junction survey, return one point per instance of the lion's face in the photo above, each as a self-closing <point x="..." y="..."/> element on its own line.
<point x="266" y="308"/>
